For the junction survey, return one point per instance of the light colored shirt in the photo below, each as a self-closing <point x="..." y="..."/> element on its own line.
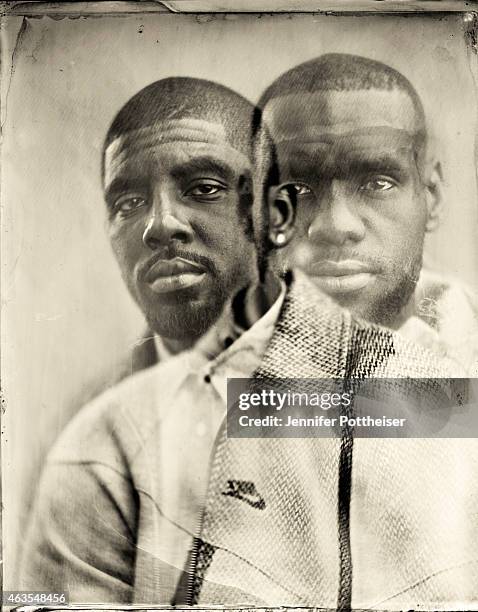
<point x="123" y="490"/>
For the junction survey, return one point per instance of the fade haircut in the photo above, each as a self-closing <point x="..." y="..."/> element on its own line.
<point x="176" y="98"/>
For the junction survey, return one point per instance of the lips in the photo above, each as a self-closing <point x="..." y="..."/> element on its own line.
<point x="168" y="275"/>
<point x="339" y="277"/>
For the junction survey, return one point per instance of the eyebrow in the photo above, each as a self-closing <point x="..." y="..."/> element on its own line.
<point x="303" y="163"/>
<point x="121" y="185"/>
<point x="204" y="164"/>
<point x="201" y="164"/>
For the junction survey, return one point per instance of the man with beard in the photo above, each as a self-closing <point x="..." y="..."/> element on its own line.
<point x="351" y="139"/>
<point x="177" y="179"/>
<point x="177" y="256"/>
<point x="178" y="187"/>
<point x="167" y="509"/>
<point x="176" y="175"/>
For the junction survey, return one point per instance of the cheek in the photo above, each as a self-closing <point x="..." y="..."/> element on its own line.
<point x="405" y="223"/>
<point x="306" y="211"/>
<point x="298" y="253"/>
<point x="218" y="226"/>
<point x="396" y="237"/>
<point x="402" y="215"/>
<point x="126" y="242"/>
<point x="228" y="244"/>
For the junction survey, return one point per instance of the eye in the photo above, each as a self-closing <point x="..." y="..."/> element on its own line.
<point x="301" y="189"/>
<point x="128" y="203"/>
<point x="206" y="189"/>
<point x="295" y="190"/>
<point x="378" y="184"/>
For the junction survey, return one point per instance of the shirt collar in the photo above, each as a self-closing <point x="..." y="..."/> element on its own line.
<point x="244" y="354"/>
<point x="161" y="349"/>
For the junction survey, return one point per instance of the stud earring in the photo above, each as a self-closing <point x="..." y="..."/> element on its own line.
<point x="280" y="238"/>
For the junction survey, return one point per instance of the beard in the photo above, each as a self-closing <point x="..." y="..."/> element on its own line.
<point x="385" y="300"/>
<point x="182" y="316"/>
<point x="387" y="308"/>
<point x="187" y="314"/>
<point x="395" y="289"/>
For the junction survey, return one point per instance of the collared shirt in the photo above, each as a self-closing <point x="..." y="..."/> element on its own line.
<point x="132" y="469"/>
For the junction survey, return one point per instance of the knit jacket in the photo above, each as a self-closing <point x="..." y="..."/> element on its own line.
<point x="367" y="523"/>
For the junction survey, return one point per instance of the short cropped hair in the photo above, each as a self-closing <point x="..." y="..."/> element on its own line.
<point x="186" y="97"/>
<point x="342" y="72"/>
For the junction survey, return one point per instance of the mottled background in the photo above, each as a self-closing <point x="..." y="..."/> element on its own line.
<point x="67" y="318"/>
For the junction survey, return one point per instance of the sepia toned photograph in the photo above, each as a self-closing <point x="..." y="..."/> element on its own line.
<point x="216" y="228"/>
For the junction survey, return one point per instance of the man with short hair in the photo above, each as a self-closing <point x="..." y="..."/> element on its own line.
<point x="194" y="122"/>
<point x="177" y="180"/>
<point x="351" y="139"/>
<point x="177" y="235"/>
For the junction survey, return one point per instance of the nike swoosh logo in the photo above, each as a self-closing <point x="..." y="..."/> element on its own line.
<point x="245" y="491"/>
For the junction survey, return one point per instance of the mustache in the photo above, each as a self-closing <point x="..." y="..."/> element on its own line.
<point x="336" y="255"/>
<point x="171" y="252"/>
<point x="381" y="266"/>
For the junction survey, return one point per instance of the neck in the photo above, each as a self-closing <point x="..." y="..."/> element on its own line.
<point x="405" y="313"/>
<point x="178" y="346"/>
<point x="257" y="301"/>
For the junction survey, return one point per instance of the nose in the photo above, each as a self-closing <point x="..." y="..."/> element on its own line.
<point x="167" y="222"/>
<point x="337" y="220"/>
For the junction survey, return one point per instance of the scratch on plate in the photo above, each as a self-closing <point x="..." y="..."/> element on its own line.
<point x="471" y="31"/>
<point x="18" y="42"/>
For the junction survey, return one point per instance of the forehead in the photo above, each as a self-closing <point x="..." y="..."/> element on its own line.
<point x="309" y="115"/>
<point x="336" y="128"/>
<point x="170" y="145"/>
<point x="387" y="150"/>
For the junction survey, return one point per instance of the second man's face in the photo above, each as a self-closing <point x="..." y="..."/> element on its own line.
<point x="361" y="210"/>
<point x="176" y="193"/>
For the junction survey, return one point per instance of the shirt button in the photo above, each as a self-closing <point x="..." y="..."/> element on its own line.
<point x="207" y="379"/>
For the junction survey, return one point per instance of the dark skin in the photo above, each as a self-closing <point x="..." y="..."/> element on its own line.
<point x="173" y="192"/>
<point x="364" y="193"/>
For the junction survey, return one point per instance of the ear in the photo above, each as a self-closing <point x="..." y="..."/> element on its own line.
<point x="434" y="195"/>
<point x="282" y="206"/>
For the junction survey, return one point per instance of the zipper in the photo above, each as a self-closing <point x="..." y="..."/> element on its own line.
<point x="344" y="598"/>
<point x="344" y="493"/>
